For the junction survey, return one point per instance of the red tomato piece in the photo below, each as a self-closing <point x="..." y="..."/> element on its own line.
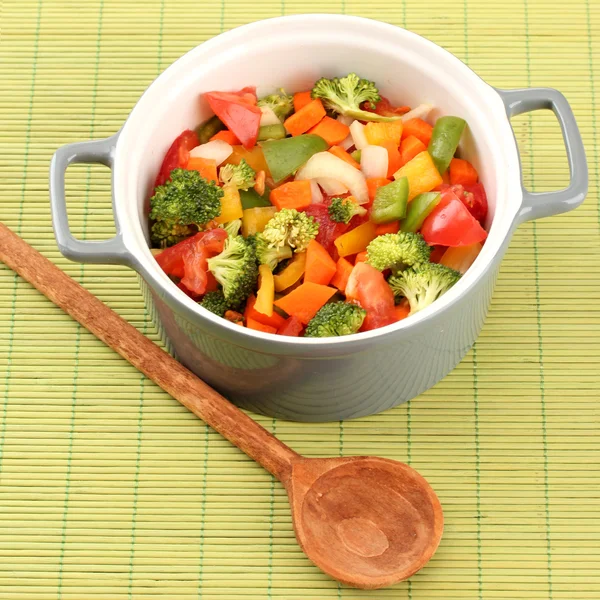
<point x="368" y="287"/>
<point x="329" y="230"/>
<point x="385" y="108"/>
<point x="194" y="257"/>
<point x="451" y="224"/>
<point x="292" y="327"/>
<point x="177" y="155"/>
<point x="472" y="196"/>
<point x="240" y="116"/>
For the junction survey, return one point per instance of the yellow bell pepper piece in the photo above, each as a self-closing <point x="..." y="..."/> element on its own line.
<point x="255" y="219"/>
<point x="266" y="291"/>
<point x="461" y="257"/>
<point x="356" y="240"/>
<point x="421" y="173"/>
<point x="292" y="273"/>
<point x="379" y="134"/>
<point x="231" y="205"/>
<point x="255" y="158"/>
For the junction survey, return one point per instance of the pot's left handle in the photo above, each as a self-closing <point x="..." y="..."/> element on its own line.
<point x="544" y="204"/>
<point x="111" y="251"/>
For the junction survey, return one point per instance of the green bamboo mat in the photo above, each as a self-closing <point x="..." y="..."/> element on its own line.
<point x="109" y="489"/>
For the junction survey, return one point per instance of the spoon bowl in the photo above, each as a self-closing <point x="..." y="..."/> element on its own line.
<point x="366" y="521"/>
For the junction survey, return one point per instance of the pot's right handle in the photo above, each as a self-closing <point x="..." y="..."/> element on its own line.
<point x="544" y="204"/>
<point x="111" y="251"/>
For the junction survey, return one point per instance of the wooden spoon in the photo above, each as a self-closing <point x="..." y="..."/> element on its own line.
<point x="368" y="522"/>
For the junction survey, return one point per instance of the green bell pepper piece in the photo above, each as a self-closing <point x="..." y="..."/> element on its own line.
<point x="285" y="156"/>
<point x="207" y="129"/>
<point x="390" y="202"/>
<point x="444" y="141"/>
<point x="418" y="210"/>
<point x="251" y="199"/>
<point x="271" y="132"/>
<point x="356" y="155"/>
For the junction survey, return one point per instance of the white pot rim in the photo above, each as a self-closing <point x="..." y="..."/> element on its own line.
<point x="482" y="99"/>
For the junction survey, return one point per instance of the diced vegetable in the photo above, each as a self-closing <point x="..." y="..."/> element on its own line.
<point x="316" y="196"/>
<point x="260" y="183"/>
<point x="177" y="156"/>
<point x="402" y="310"/>
<point x="279" y="103"/>
<point x="394" y="158"/>
<point x="451" y="224"/>
<point x="462" y="172"/>
<point x="301" y="99"/>
<point x="308" y="116"/>
<point x="231" y="205"/>
<point x="392" y="227"/>
<point x="475" y="199"/>
<point x="361" y="257"/>
<point x="368" y="286"/>
<point x="444" y="140"/>
<point x="418" y="210"/>
<point x="254" y="157"/>
<point x="356" y="155"/>
<point x="341" y="153"/>
<point x="255" y="219"/>
<point x="217" y="150"/>
<point x="251" y="199"/>
<point x="460" y="258"/>
<point x="357" y="130"/>
<point x="409" y="148"/>
<point x="331" y="130"/>
<point x="226" y="136"/>
<point x="290" y="227"/>
<point x="421" y="173"/>
<point x="385" y="108"/>
<point x="305" y="301"/>
<point x="292" y="327"/>
<point x="374" y="161"/>
<point x="292" y="272"/>
<point x="379" y="134"/>
<point x="266" y="291"/>
<point x="320" y="267"/>
<point x="240" y="117"/>
<point x="336" y="319"/>
<point x="271" y="132"/>
<point x="325" y="164"/>
<point x="390" y="202"/>
<point x="420" y="112"/>
<point x="332" y="187"/>
<point x="209" y="129"/>
<point x="284" y="157"/>
<point x="207" y="167"/>
<point x="274" y="320"/>
<point x="419" y="129"/>
<point x="258" y="326"/>
<point x="343" y="268"/>
<point x="294" y="194"/>
<point x="241" y="176"/>
<point x="374" y="184"/>
<point x="355" y="240"/>
<point x="268" y="117"/>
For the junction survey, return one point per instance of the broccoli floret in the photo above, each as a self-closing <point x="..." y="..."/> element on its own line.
<point x="336" y="318"/>
<point x="397" y="251"/>
<point x="184" y="203"/>
<point x="292" y="228"/>
<point x="423" y="284"/>
<point x="345" y="95"/>
<point x="341" y="210"/>
<point x="281" y="104"/>
<point x="267" y="255"/>
<point x="242" y="175"/>
<point x="233" y="227"/>
<point x="216" y="303"/>
<point x="235" y="269"/>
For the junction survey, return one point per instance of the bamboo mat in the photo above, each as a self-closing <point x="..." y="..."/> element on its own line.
<point x="110" y="490"/>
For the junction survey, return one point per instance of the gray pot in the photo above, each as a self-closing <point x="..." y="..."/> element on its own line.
<point x="306" y="379"/>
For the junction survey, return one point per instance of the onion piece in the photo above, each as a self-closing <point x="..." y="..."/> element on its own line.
<point x="217" y="150"/>
<point x="316" y="196"/>
<point x="374" y="161"/>
<point x="420" y="112"/>
<point x="331" y="186"/>
<point x="357" y="131"/>
<point x="347" y="143"/>
<point x="268" y="117"/>
<point x="325" y="164"/>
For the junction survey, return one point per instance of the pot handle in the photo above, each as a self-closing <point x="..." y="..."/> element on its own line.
<point x="544" y="204"/>
<point x="111" y="251"/>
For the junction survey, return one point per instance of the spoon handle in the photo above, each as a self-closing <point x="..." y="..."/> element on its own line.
<point x="152" y="361"/>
